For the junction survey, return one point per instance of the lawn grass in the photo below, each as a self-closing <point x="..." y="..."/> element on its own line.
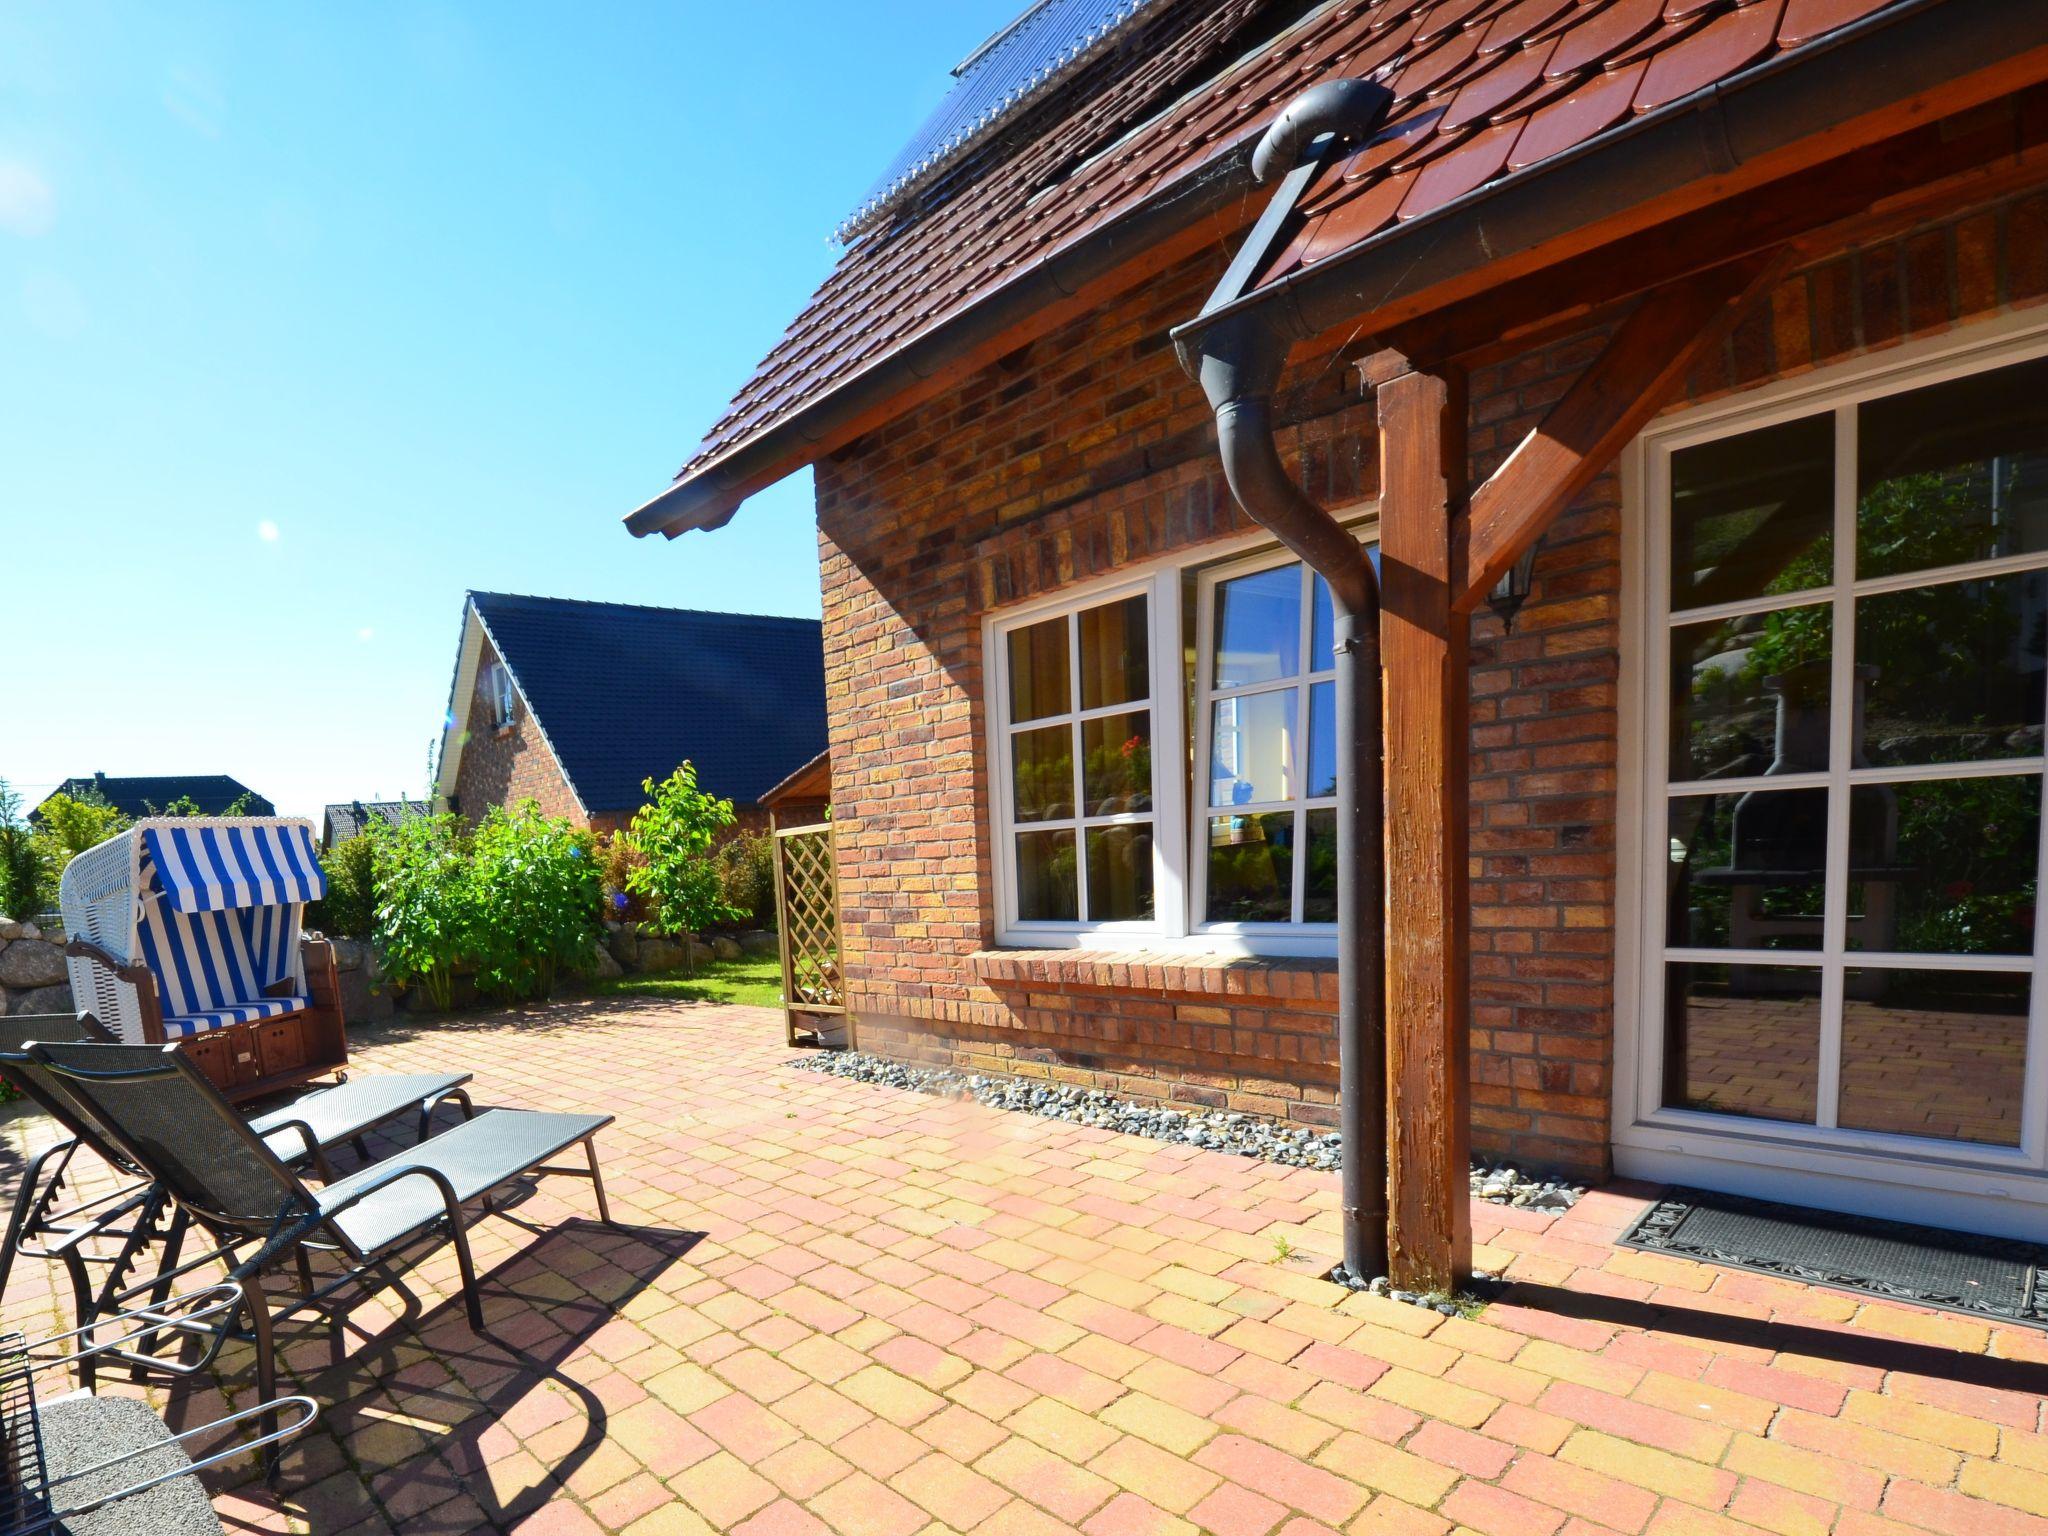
<point x="755" y="980"/>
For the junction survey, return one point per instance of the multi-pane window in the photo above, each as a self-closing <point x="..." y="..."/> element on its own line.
<point x="1076" y="762"/>
<point x="1163" y="760"/>
<point x="1847" y="834"/>
<point x="1266" y="753"/>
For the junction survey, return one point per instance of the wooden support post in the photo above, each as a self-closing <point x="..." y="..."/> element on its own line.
<point x="1423" y="650"/>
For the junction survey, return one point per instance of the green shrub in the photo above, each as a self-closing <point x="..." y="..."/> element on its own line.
<point x="746" y="876"/>
<point x="676" y="833"/>
<point x="349" y="909"/>
<point x="426" y="912"/>
<point x="535" y="896"/>
<point x="25" y="877"/>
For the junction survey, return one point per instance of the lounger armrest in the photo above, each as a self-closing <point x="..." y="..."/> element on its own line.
<point x="126" y="970"/>
<point x="356" y="1196"/>
<point x="305" y="1134"/>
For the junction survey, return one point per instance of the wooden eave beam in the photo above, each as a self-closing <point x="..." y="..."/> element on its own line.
<point x="1642" y="366"/>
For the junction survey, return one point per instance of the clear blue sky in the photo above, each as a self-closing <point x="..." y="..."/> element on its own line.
<point x="312" y="317"/>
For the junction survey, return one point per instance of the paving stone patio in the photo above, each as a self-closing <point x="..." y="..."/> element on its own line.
<point x="835" y="1307"/>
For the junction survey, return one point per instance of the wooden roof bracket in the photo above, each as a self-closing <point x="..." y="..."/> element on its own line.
<point x="1621" y="391"/>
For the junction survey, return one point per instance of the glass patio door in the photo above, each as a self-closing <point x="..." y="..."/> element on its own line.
<point x="1849" y="645"/>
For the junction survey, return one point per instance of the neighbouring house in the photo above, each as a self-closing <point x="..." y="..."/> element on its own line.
<point x="576" y="704"/>
<point x="1684" y="366"/>
<point x="215" y="794"/>
<point x="339" y="823"/>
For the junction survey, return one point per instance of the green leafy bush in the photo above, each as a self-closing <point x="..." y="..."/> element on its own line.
<point x="746" y="877"/>
<point x="70" y="824"/>
<point x="349" y="909"/>
<point x="676" y="833"/>
<point x="426" y="911"/>
<point x="535" y="900"/>
<point x="25" y="877"/>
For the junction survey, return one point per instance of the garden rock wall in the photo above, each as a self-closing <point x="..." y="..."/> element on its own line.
<point x="32" y="974"/>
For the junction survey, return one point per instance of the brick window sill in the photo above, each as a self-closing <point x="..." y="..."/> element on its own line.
<point x="1307" y="979"/>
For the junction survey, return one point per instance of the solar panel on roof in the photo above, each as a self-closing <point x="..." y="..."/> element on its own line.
<point x="1005" y="74"/>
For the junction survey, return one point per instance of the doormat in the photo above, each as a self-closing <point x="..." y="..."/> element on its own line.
<point x="1982" y="1276"/>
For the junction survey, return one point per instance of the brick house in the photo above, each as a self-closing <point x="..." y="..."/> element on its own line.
<point x="1710" y="837"/>
<point x="575" y="704"/>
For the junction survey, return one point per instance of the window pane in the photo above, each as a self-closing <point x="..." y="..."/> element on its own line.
<point x="1116" y="763"/>
<point x="1120" y="874"/>
<point x="1038" y="670"/>
<point x="1742" y="1040"/>
<point x="1751" y="694"/>
<point x="1322" y="739"/>
<point x="1952" y="673"/>
<point x="1319" y="879"/>
<point x="1042" y="773"/>
<point x="1322" y="626"/>
<point x="1046" y="891"/>
<point x="1747" y="871"/>
<point x="1934" y="1053"/>
<point x="1953" y="472"/>
<point x="1753" y="514"/>
<point x="1251" y="868"/>
<point x="1258" y="627"/>
<point x="1115" y="654"/>
<point x="1946" y="867"/>
<point x="1252" y="755"/>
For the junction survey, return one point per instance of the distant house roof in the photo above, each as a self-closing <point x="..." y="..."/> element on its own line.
<point x="213" y="793"/>
<point x="339" y="823"/>
<point x="623" y="693"/>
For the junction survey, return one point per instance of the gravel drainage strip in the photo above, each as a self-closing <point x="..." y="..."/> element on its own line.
<point x="1215" y="1130"/>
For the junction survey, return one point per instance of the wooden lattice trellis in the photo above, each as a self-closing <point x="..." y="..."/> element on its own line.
<point x="807" y="912"/>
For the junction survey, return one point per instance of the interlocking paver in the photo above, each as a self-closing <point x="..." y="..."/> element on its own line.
<point x="831" y="1307"/>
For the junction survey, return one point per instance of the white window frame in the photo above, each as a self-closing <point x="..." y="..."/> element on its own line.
<point x="1173" y="930"/>
<point x="1950" y="1183"/>
<point x="498" y="691"/>
<point x="1293" y="936"/>
<point x="1168" y="802"/>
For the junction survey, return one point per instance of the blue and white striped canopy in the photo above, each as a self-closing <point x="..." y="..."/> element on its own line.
<point x="214" y="867"/>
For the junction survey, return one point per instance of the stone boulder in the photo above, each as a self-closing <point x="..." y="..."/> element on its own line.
<point x="659" y="954"/>
<point x="31" y="963"/>
<point x="55" y="999"/>
<point x="623" y="944"/>
<point x="760" y="941"/>
<point x="603" y="966"/>
<point x="726" y="948"/>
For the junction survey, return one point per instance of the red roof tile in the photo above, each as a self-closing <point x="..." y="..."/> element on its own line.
<point x="1484" y="88"/>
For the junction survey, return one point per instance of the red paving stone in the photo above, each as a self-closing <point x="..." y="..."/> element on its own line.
<point x="831" y="1307"/>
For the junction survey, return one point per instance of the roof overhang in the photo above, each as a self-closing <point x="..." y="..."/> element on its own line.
<point x="1909" y="64"/>
<point x="1866" y="82"/>
<point x="1206" y="205"/>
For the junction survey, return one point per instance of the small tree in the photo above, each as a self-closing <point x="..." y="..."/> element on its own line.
<point x="675" y="833"/>
<point x="24" y="878"/>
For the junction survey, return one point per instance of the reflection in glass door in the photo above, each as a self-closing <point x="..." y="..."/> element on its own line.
<point x="1847" y="842"/>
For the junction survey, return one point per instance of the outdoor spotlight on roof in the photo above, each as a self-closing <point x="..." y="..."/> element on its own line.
<point x="1512" y="590"/>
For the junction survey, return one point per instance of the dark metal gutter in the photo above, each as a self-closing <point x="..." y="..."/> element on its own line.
<point x="1798" y="95"/>
<point x="1239" y="364"/>
<point x="708" y="498"/>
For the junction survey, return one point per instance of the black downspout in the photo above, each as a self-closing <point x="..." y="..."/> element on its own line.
<point x="1239" y="367"/>
<point x="1239" y="363"/>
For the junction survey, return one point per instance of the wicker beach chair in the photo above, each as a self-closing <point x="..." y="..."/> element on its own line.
<point x="188" y="930"/>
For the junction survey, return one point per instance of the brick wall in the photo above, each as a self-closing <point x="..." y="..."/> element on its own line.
<point x="1089" y="450"/>
<point x="506" y="764"/>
